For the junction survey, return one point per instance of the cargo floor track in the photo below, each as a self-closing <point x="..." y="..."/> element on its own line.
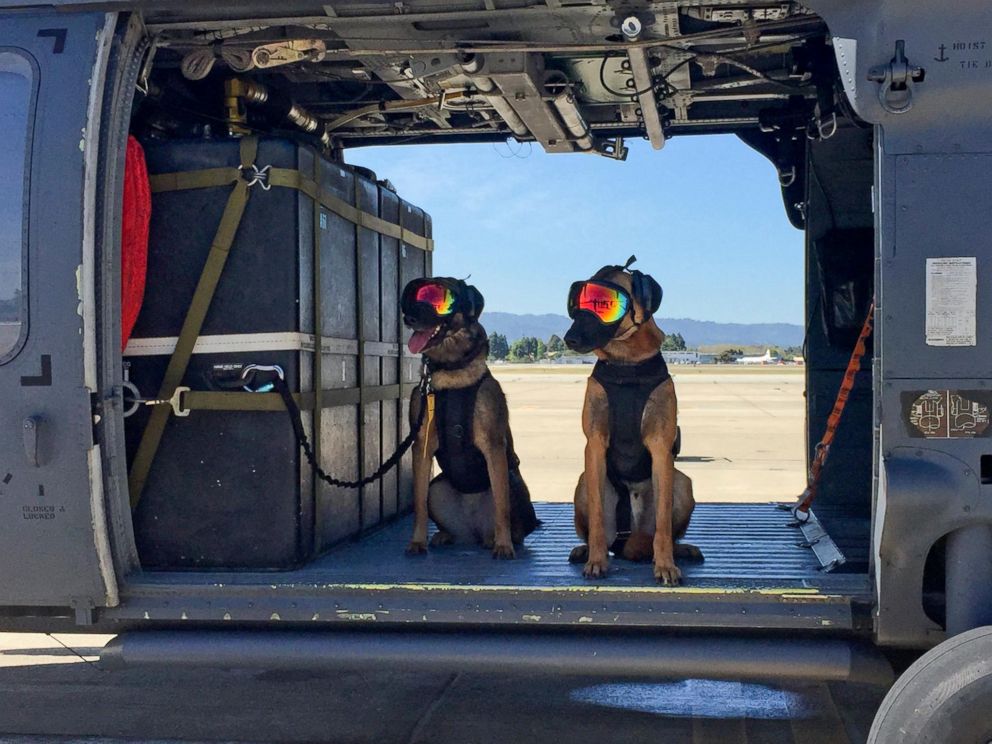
<point x="756" y="573"/>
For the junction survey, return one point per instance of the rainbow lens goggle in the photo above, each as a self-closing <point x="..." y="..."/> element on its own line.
<point x="435" y="294"/>
<point x="607" y="301"/>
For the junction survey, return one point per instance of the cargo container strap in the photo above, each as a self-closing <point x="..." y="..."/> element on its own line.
<point x="801" y="510"/>
<point x="290" y="179"/>
<point x="220" y="248"/>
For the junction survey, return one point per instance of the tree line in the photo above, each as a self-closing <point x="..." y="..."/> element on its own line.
<point x="526" y="349"/>
<point x="531" y="349"/>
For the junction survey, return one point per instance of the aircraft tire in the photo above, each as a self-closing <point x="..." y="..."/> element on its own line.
<point x="944" y="697"/>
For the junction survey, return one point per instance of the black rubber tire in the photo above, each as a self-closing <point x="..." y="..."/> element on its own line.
<point x="945" y="697"/>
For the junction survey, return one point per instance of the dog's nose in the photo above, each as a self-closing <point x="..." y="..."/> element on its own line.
<point x="572" y="340"/>
<point x="409" y="320"/>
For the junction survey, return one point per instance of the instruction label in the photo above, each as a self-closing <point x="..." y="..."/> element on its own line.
<point x="948" y="414"/>
<point x="951" y="301"/>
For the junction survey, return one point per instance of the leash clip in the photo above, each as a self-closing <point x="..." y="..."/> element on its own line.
<point x="426" y="378"/>
<point x="176" y="401"/>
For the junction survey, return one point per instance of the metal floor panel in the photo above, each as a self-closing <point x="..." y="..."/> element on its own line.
<point x="741" y="543"/>
<point x="746" y="547"/>
<point x="755" y="575"/>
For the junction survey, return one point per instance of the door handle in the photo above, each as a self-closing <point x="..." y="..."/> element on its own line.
<point x="29" y="430"/>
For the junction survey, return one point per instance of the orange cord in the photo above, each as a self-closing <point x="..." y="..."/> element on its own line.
<point x="823" y="448"/>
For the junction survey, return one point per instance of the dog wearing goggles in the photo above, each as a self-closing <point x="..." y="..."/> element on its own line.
<point x="630" y="497"/>
<point x="480" y="496"/>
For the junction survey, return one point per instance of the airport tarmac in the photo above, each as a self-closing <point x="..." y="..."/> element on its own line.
<point x="743" y="429"/>
<point x="53" y="690"/>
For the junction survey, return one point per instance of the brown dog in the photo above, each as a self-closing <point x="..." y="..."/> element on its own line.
<point x="480" y="496"/>
<point x="630" y="422"/>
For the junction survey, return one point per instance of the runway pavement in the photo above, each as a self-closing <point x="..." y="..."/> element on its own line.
<point x="53" y="690"/>
<point x="742" y="429"/>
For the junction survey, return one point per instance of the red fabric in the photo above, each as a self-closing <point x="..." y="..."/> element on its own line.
<point x="134" y="237"/>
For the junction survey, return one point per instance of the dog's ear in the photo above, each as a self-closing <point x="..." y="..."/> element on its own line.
<point x="472" y="301"/>
<point x="646" y="291"/>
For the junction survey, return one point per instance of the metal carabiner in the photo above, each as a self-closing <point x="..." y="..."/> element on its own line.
<point x="787" y="178"/>
<point x="257" y="175"/>
<point x="824" y="130"/>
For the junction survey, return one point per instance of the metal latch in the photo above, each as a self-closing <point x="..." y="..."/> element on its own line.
<point x="29" y="430"/>
<point x="176" y="401"/>
<point x="895" y="92"/>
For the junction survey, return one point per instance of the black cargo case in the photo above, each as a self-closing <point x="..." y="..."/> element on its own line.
<point x="230" y="489"/>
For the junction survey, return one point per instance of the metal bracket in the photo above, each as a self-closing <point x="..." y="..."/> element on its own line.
<point x="895" y="91"/>
<point x="289" y="52"/>
<point x="614" y="148"/>
<point x="816" y="538"/>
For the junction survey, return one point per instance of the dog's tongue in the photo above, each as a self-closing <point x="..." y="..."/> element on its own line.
<point x="419" y="340"/>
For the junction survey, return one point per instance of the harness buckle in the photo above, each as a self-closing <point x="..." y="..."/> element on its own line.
<point x="176" y="401"/>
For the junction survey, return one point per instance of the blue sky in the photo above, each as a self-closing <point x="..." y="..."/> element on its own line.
<point x="704" y="216"/>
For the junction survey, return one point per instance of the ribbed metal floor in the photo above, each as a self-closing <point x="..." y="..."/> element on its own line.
<point x="742" y="543"/>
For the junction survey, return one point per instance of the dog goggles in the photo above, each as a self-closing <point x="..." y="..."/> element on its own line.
<point x="607" y="301"/>
<point x="434" y="294"/>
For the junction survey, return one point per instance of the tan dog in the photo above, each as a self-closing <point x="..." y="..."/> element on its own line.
<point x="630" y="423"/>
<point x="480" y="496"/>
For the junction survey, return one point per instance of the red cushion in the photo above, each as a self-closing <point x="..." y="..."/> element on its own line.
<point x="134" y="237"/>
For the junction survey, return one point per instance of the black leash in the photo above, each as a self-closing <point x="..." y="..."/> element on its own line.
<point x="280" y="386"/>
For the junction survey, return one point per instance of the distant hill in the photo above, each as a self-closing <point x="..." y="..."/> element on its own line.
<point x="695" y="332"/>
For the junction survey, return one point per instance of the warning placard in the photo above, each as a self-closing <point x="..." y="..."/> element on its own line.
<point x="951" y="301"/>
<point x="948" y="414"/>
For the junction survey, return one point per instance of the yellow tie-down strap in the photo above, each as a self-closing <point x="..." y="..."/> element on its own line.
<point x="290" y="179"/>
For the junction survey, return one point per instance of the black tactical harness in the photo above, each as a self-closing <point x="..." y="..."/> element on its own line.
<point x="628" y="387"/>
<point x="462" y="463"/>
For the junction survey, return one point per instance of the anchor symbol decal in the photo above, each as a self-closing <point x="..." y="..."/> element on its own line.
<point x="943" y="57"/>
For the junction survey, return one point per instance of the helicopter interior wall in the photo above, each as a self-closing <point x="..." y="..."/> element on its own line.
<point x="840" y="261"/>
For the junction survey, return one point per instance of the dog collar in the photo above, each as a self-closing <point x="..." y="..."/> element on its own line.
<point x="466" y="360"/>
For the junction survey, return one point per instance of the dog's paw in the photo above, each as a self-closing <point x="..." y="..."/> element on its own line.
<point x="667" y="573"/>
<point x="442" y="538"/>
<point x="416" y="547"/>
<point x="688" y="552"/>
<point x="596" y="569"/>
<point x="579" y="554"/>
<point x="503" y="551"/>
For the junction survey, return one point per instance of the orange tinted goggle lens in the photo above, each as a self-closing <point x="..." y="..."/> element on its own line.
<point x="437" y="296"/>
<point x="606" y="303"/>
